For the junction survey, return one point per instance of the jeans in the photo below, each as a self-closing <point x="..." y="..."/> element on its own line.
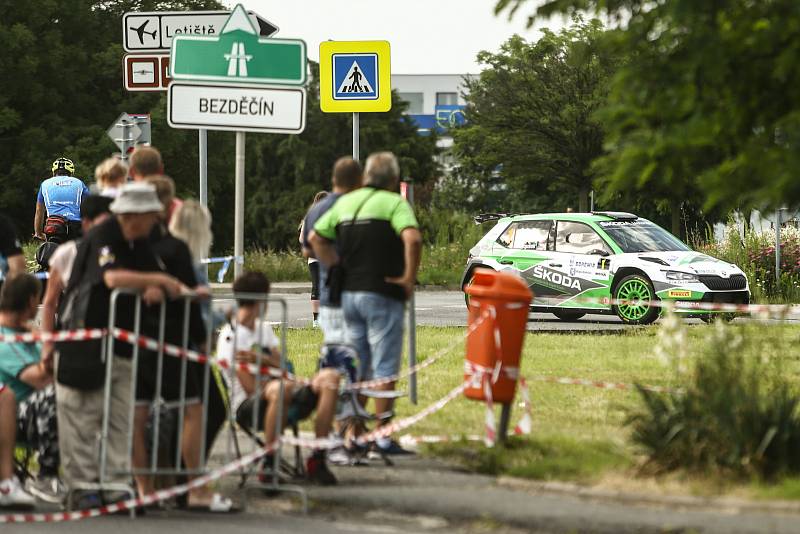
<point x="375" y="331"/>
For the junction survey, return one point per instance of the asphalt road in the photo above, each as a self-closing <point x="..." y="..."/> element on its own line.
<point x="444" y="308"/>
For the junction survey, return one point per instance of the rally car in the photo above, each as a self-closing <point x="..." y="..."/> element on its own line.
<point x="603" y="263"/>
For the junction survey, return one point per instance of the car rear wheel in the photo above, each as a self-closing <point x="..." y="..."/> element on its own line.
<point x="469" y="283"/>
<point x="565" y="315"/>
<point x="637" y="292"/>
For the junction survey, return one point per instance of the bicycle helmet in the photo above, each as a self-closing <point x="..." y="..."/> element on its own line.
<point x="64" y="164"/>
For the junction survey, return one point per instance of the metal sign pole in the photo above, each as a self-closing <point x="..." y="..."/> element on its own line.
<point x="126" y="139"/>
<point x="777" y="249"/>
<point x="203" y="157"/>
<point x="412" y="322"/>
<point x="356" y="130"/>
<point x="238" y="238"/>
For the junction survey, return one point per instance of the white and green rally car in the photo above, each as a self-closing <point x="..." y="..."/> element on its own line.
<point x="577" y="263"/>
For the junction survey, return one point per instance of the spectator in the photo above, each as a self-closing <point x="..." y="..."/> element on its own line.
<point x="242" y="341"/>
<point x="313" y="264"/>
<point x="11" y="259"/>
<point x="177" y="260"/>
<point x="192" y="224"/>
<point x="59" y="200"/>
<point x="145" y="161"/>
<point x="379" y="246"/>
<point x="11" y="492"/>
<point x="94" y="210"/>
<point x="110" y="175"/>
<point x="30" y="379"/>
<point x="165" y="189"/>
<point x="115" y="254"/>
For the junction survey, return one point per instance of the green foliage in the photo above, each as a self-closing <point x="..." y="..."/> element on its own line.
<point x="737" y="412"/>
<point x="62" y="87"/>
<point x="530" y="114"/>
<point x="706" y="105"/>
<point x="754" y="253"/>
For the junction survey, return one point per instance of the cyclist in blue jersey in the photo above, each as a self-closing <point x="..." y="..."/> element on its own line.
<point x="59" y="199"/>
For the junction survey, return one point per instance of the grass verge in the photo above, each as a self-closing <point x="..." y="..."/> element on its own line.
<point x="579" y="433"/>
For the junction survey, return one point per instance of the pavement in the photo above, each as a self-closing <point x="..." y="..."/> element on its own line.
<point x="425" y="495"/>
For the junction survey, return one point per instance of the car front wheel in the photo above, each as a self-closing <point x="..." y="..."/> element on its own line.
<point x="637" y="292"/>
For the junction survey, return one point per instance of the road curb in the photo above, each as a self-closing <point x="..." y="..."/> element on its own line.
<point x="722" y="504"/>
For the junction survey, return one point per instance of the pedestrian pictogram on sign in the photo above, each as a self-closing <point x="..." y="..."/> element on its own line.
<point x="355" y="76"/>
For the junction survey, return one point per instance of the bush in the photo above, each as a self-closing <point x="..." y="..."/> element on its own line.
<point x="754" y="253"/>
<point x="737" y="412"/>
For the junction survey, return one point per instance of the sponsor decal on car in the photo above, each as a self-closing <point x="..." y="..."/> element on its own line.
<point x="679" y="294"/>
<point x="556" y="278"/>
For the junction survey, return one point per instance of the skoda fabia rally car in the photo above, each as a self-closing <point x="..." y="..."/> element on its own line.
<point x="603" y="263"/>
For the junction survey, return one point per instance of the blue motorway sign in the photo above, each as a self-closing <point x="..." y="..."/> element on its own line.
<point x="355" y="77"/>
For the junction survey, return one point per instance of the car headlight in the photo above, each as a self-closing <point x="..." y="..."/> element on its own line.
<point x="679" y="276"/>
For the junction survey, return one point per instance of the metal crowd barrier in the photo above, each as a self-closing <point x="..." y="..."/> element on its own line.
<point x="273" y="481"/>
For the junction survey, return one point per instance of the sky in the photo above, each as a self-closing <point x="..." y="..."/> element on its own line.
<point x="426" y="36"/>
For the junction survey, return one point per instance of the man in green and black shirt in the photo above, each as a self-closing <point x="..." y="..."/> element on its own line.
<point x="379" y="244"/>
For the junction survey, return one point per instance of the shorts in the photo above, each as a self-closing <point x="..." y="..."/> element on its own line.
<point x="313" y="269"/>
<point x="304" y="401"/>
<point x="146" y="376"/>
<point x="375" y="330"/>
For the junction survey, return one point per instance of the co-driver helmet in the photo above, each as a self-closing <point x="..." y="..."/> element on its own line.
<point x="64" y="164"/>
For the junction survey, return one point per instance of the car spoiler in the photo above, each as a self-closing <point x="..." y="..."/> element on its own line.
<point x="486" y="217"/>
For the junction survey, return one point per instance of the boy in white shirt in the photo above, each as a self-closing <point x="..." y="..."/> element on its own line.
<point x="241" y="341"/>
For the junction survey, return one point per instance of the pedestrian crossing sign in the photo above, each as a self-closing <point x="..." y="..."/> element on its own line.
<point x="355" y="76"/>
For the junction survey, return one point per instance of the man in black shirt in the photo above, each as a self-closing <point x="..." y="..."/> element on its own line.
<point x="114" y="254"/>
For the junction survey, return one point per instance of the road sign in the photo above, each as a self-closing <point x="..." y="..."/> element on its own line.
<point x="142" y="120"/>
<point x="153" y="31"/>
<point x="124" y="131"/>
<point x="239" y="55"/>
<point x="355" y="76"/>
<point x="146" y="72"/>
<point x="253" y="108"/>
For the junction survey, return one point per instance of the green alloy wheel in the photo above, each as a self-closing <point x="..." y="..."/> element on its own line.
<point x="638" y="291"/>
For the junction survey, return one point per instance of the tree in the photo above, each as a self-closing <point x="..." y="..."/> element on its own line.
<point x="529" y="115"/>
<point x="707" y="103"/>
<point x="62" y="87"/>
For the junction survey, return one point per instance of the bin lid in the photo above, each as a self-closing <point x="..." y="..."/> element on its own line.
<point x="499" y="286"/>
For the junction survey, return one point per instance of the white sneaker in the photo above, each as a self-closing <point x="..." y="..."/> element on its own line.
<point x="315" y="323"/>
<point x="13" y="496"/>
<point x="47" y="489"/>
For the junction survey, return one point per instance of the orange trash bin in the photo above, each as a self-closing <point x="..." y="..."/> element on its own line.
<point x="498" y="316"/>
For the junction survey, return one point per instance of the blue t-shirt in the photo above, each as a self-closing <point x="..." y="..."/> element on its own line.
<point x="316" y="211"/>
<point x="14" y="358"/>
<point x="62" y="196"/>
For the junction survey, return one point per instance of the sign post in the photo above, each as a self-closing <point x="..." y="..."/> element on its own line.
<point x="221" y="83"/>
<point x="412" y="314"/>
<point x="355" y="77"/>
<point x="124" y="132"/>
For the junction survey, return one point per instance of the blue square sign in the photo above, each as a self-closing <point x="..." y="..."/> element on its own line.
<point x="355" y="77"/>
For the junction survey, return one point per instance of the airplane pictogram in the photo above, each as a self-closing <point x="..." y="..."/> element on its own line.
<point x="140" y="31"/>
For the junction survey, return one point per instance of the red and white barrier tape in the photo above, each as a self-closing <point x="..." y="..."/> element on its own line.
<point x="82" y="334"/>
<point x="138" y="502"/>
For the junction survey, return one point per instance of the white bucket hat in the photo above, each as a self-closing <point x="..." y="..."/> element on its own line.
<point x="136" y="197"/>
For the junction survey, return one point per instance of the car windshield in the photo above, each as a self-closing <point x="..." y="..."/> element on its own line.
<point x="641" y="236"/>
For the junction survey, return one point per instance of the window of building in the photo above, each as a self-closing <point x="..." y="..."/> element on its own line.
<point x="446" y="99"/>
<point x="416" y="102"/>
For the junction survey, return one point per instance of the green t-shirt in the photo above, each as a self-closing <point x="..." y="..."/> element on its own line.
<point x="370" y="245"/>
<point x="14" y="358"/>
